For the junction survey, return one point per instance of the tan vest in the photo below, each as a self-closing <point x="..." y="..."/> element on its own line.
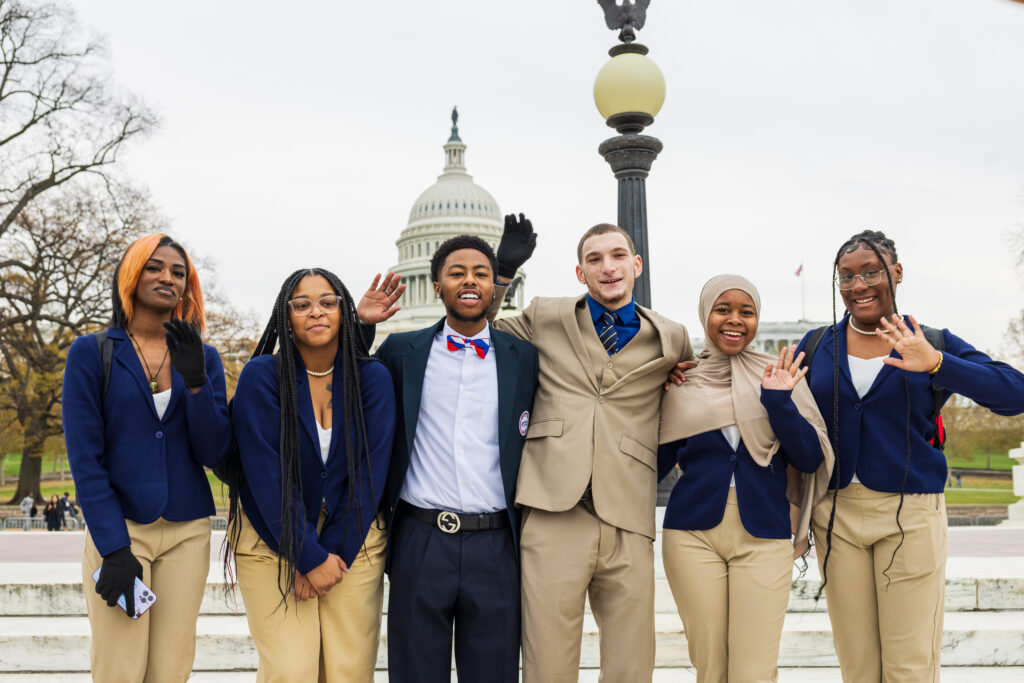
<point x="595" y="416"/>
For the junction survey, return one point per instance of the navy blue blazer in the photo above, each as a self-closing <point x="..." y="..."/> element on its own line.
<point x="405" y="354"/>
<point x="257" y="417"/>
<point x="872" y="430"/>
<point x="126" y="462"/>
<point x="708" y="463"/>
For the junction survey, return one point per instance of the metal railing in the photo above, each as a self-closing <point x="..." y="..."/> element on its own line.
<point x="39" y="522"/>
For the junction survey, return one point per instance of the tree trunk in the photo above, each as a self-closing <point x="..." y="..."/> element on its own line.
<point x="3" y="474"/>
<point x="29" y="474"/>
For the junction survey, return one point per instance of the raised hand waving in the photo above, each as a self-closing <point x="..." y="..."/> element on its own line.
<point x="786" y="373"/>
<point x="916" y="354"/>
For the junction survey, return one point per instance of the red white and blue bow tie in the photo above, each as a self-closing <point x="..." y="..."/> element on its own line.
<point x="456" y="343"/>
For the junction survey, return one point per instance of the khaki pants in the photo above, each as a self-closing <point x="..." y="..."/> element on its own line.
<point x="161" y="644"/>
<point x="566" y="556"/>
<point x="732" y="590"/>
<point x="886" y="628"/>
<point x="332" y="639"/>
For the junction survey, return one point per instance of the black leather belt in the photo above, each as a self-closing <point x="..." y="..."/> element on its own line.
<point x="454" y="522"/>
<point x="587" y="495"/>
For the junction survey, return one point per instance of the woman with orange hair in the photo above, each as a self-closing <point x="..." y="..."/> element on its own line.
<point x="145" y="409"/>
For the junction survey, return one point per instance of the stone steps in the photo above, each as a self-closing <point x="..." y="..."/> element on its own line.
<point x="950" y="674"/>
<point x="991" y="638"/>
<point x="55" y="588"/>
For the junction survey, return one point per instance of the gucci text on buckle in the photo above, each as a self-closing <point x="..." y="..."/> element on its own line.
<point x="448" y="522"/>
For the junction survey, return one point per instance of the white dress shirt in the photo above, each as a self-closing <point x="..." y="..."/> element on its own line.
<point x="454" y="464"/>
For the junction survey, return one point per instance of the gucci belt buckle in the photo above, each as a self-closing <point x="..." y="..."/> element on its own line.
<point x="448" y="522"/>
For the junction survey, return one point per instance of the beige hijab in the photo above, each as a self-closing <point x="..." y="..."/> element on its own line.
<point x="724" y="390"/>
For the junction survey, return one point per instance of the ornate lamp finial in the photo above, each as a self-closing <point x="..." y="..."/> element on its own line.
<point x="627" y="16"/>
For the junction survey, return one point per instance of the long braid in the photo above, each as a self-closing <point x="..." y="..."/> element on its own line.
<point x="353" y="349"/>
<point x="834" y="432"/>
<point x="874" y="240"/>
<point x="906" y="390"/>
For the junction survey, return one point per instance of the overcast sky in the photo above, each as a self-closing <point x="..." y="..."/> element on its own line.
<point x="298" y="134"/>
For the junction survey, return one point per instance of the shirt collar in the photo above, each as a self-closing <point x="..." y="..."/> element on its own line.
<point x="482" y="334"/>
<point x="625" y="314"/>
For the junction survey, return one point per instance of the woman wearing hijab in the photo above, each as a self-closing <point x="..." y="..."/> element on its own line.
<point x="749" y="441"/>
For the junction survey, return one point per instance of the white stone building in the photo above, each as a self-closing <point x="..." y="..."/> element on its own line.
<point x="454" y="205"/>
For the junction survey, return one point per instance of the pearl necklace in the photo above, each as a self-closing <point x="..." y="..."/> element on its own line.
<point x="872" y="333"/>
<point x="320" y="374"/>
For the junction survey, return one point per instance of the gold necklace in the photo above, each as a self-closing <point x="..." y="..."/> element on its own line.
<point x="153" y="384"/>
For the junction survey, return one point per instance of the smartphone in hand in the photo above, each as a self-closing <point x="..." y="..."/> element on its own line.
<point x="144" y="597"/>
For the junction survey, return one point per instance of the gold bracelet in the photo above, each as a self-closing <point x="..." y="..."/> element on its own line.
<point x="937" y="366"/>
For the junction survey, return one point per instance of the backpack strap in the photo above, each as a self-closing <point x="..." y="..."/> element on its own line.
<point x="106" y="348"/>
<point x="813" y="342"/>
<point x="938" y="342"/>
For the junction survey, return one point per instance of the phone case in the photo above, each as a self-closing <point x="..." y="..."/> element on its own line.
<point x="144" y="597"/>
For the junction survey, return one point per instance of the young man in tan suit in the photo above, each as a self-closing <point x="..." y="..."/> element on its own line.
<point x="588" y="479"/>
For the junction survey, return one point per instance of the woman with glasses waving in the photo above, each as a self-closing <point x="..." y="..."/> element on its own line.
<point x="144" y="411"/>
<point x="745" y="432"/>
<point x="314" y="424"/>
<point x="879" y="380"/>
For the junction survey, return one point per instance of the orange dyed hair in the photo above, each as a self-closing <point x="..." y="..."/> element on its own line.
<point x="126" y="279"/>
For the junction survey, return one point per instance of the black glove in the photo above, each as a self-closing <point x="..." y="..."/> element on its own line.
<point x="117" y="578"/>
<point x="517" y="244"/>
<point x="186" y="349"/>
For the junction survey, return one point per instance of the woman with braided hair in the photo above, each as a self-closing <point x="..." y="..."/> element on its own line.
<point x="144" y="410"/>
<point x="881" y="531"/>
<point x="308" y="545"/>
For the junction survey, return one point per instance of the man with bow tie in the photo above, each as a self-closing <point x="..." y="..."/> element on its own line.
<point x="464" y="392"/>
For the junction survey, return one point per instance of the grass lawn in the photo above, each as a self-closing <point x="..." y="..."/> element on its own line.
<point x="973" y="497"/>
<point x="979" y="461"/>
<point x="986" y="483"/>
<point x="220" y="492"/>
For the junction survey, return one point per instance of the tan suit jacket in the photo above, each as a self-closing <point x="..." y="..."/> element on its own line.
<point x="595" y="416"/>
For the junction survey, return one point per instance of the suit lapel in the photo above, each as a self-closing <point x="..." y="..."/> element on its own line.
<point x="305" y="402"/>
<point x="124" y="355"/>
<point x="839" y="348"/>
<point x="177" y="387"/>
<point x="653" y="364"/>
<point x="507" y="360"/>
<point x="414" y="366"/>
<point x="574" y="319"/>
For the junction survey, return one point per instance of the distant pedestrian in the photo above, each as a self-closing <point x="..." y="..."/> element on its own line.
<point x="28" y="505"/>
<point x="959" y="480"/>
<point x="54" y="514"/>
<point x="67" y="506"/>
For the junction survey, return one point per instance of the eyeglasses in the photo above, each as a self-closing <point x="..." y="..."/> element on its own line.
<point x="870" y="278"/>
<point x="303" y="306"/>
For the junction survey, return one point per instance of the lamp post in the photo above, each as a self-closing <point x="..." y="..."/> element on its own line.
<point x="629" y="91"/>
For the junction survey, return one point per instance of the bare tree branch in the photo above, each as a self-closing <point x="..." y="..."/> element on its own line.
<point x="60" y="119"/>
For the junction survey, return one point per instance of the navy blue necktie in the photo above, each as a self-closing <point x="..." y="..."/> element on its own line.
<point x="607" y="334"/>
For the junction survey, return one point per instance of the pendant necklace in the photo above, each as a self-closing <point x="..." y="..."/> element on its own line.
<point x="153" y="385"/>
